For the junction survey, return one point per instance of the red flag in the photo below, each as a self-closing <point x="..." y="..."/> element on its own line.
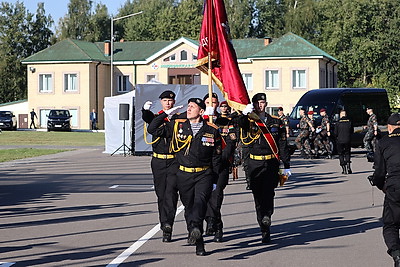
<point x="214" y="38"/>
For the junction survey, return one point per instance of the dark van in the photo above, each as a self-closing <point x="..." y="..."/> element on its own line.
<point x="353" y="100"/>
<point x="59" y="119"/>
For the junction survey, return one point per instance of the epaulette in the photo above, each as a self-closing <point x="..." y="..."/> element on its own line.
<point x="212" y="125"/>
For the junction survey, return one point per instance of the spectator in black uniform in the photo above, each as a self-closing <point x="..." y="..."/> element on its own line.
<point x="197" y="144"/>
<point x="387" y="178"/>
<point x="163" y="165"/>
<point x="343" y="131"/>
<point x="263" y="164"/>
<point x="33" y="116"/>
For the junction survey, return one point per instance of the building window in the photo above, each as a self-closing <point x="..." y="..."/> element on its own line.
<point x="248" y="81"/>
<point x="194" y="57"/>
<point x="150" y="77"/>
<point x="71" y="82"/>
<point x="299" y="79"/>
<point x="272" y="79"/>
<point x="123" y="83"/>
<point x="183" y="55"/>
<point x="170" y="58"/>
<point x="45" y="83"/>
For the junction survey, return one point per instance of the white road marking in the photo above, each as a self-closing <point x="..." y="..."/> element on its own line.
<point x="6" y="264"/>
<point x="135" y="246"/>
<point x="136" y="185"/>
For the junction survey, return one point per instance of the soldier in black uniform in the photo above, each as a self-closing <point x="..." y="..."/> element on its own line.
<point x="263" y="165"/>
<point x="343" y="131"/>
<point x="322" y="137"/>
<point x="227" y="131"/>
<point x="387" y="178"/>
<point x="163" y="166"/>
<point x="372" y="131"/>
<point x="197" y="144"/>
<point x="285" y="120"/>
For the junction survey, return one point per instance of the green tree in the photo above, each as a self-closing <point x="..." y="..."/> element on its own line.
<point x="40" y="32"/>
<point x="189" y="15"/>
<point x="76" y="23"/>
<point x="239" y="14"/>
<point x="268" y="18"/>
<point x="301" y="18"/>
<point x="99" y="24"/>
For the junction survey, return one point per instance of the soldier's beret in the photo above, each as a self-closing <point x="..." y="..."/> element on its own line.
<point x="310" y="112"/>
<point x="280" y="109"/>
<point x="394" y="119"/>
<point x="214" y="95"/>
<point x="224" y="103"/>
<point x="322" y="110"/>
<point x="198" y="101"/>
<point x="259" y="96"/>
<point x="167" y="94"/>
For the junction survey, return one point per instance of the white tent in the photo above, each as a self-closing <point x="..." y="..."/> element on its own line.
<point x="113" y="126"/>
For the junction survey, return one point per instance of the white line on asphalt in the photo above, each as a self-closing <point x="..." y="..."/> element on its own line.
<point x="136" y="185"/>
<point x="135" y="246"/>
<point x="6" y="264"/>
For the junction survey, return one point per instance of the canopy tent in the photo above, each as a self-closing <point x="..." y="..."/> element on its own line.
<point x="113" y="126"/>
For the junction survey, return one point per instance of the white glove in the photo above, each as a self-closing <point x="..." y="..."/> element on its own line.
<point x="214" y="187"/>
<point x="287" y="172"/>
<point x="147" y="105"/>
<point x="173" y="110"/>
<point x="209" y="111"/>
<point x="248" y="109"/>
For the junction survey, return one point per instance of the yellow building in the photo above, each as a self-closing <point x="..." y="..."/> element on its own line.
<point x="75" y="75"/>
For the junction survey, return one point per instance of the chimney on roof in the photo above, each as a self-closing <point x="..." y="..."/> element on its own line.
<point x="107" y="48"/>
<point x="267" y="41"/>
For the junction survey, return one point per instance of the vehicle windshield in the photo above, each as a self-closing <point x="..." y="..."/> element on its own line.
<point x="5" y="113"/>
<point x="295" y="115"/>
<point x="59" y="113"/>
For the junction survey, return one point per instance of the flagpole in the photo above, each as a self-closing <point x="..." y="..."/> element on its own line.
<point x="209" y="13"/>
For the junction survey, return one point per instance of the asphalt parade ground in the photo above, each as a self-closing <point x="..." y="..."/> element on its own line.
<point x="86" y="208"/>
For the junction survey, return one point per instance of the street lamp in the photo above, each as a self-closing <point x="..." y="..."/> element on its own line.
<point x="112" y="46"/>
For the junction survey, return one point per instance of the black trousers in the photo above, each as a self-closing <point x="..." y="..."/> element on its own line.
<point x="195" y="190"/>
<point x="264" y="178"/>
<point x="391" y="218"/>
<point x="164" y="174"/>
<point x="344" y="153"/>
<point x="217" y="197"/>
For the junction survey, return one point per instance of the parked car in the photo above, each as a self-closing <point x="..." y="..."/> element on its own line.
<point x="59" y="119"/>
<point x="8" y="121"/>
<point x="353" y="100"/>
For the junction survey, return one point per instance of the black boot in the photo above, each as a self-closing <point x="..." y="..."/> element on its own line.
<point x="218" y="235"/>
<point x="167" y="232"/>
<point x="343" y="169"/>
<point x="396" y="258"/>
<point x="349" y="171"/>
<point x="210" y="228"/>
<point x="266" y="237"/>
<point x="200" y="250"/>
<point x="194" y="235"/>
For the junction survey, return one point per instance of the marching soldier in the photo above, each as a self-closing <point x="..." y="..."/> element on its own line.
<point x="163" y="166"/>
<point x="304" y="134"/>
<point x="197" y="144"/>
<point x="322" y="138"/>
<point x="285" y="120"/>
<point x="227" y="132"/>
<point x="311" y="137"/>
<point x="387" y="178"/>
<point x="372" y="131"/>
<point x="267" y="148"/>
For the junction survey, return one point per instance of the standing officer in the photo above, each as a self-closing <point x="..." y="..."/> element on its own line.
<point x="305" y="126"/>
<point x="285" y="120"/>
<point x="227" y="132"/>
<point x="311" y="137"/>
<point x="322" y="138"/>
<point x="93" y="119"/>
<point x="163" y="165"/>
<point x="387" y="178"/>
<point x="372" y="131"/>
<point x="33" y="115"/>
<point x="197" y="144"/>
<point x="343" y="131"/>
<point x="268" y="144"/>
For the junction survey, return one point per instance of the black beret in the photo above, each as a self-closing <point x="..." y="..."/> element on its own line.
<point x="198" y="101"/>
<point x="280" y="109"/>
<point x="394" y="119"/>
<point x="259" y="96"/>
<point x="214" y="95"/>
<point x="167" y="94"/>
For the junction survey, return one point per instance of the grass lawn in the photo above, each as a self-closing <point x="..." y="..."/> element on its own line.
<point x="27" y="138"/>
<point x="21" y="153"/>
<point x="51" y="138"/>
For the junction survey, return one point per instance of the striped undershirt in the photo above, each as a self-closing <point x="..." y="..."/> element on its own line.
<point x="196" y="127"/>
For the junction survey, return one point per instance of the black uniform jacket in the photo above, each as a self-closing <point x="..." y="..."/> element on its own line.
<point x="387" y="161"/>
<point x="204" y="149"/>
<point x="228" y="133"/>
<point x="343" y="130"/>
<point x="260" y="145"/>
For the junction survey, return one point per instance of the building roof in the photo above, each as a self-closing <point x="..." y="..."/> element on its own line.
<point x="289" y="45"/>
